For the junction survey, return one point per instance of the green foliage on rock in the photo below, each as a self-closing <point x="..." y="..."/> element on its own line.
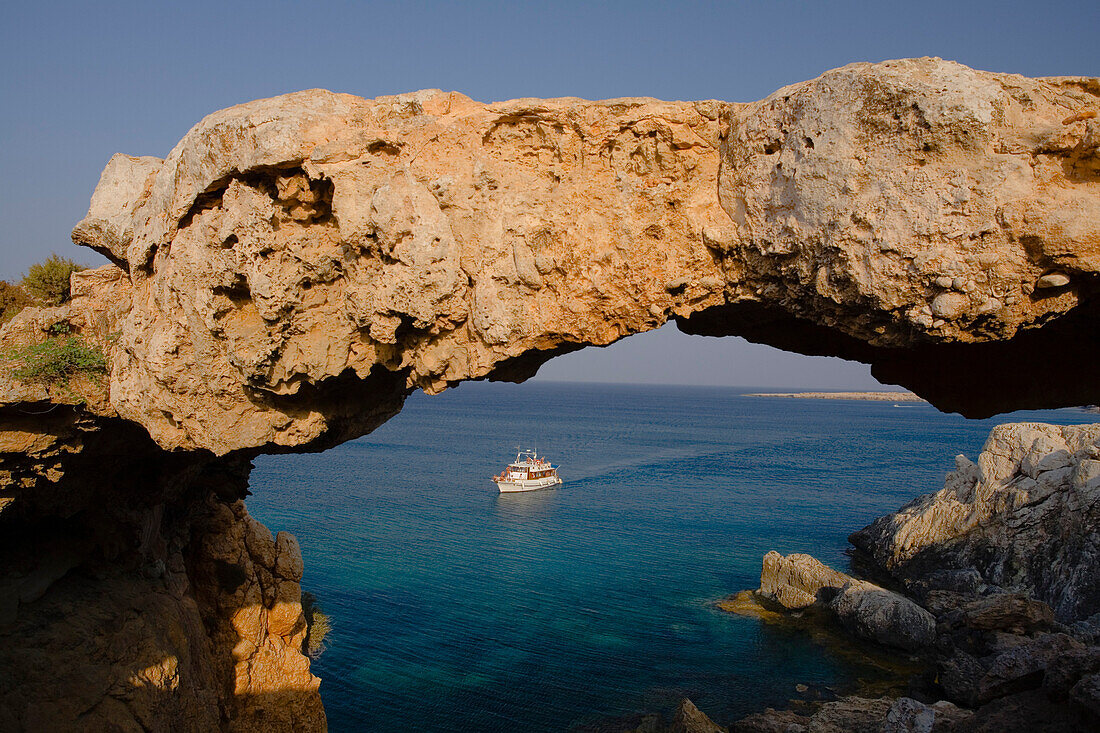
<point x="317" y="626"/>
<point x="48" y="281"/>
<point x="12" y="300"/>
<point x="57" y="360"/>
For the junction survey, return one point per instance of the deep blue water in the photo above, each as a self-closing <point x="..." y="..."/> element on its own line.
<point x="455" y="608"/>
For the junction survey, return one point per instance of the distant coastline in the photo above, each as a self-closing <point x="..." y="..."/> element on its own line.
<point x="872" y="396"/>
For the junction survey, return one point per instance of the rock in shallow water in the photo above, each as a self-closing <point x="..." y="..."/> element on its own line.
<point x="690" y="719"/>
<point x="797" y="581"/>
<point x="863" y="609"/>
<point x="882" y="616"/>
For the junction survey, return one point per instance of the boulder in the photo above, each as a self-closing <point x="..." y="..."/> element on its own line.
<point x="1086" y="693"/>
<point x="690" y="719"/>
<point x="771" y="720"/>
<point x="124" y="185"/>
<point x="1068" y="668"/>
<point x="850" y="715"/>
<point x="1011" y="612"/>
<point x="1033" y="711"/>
<point x="883" y="616"/>
<point x="907" y="715"/>
<point x="973" y="681"/>
<point x="847" y="715"/>
<point x="796" y="581"/>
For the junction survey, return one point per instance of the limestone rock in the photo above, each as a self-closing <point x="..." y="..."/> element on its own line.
<point x="1026" y="517"/>
<point x="907" y="715"/>
<point x="1088" y="630"/>
<point x="108" y="228"/>
<point x="797" y="580"/>
<point x="863" y="609"/>
<point x="690" y="719"/>
<point x="974" y="681"/>
<point x="288" y="557"/>
<point x="813" y="174"/>
<point x="1010" y="612"/>
<point x="883" y="616"/>
<point x="1086" y="693"/>
<point x="1053" y="280"/>
<point x="153" y="641"/>
<point x="292" y="247"/>
<point x="1069" y="668"/>
<point x="772" y="721"/>
<point x="1028" y="712"/>
<point x="850" y="715"/>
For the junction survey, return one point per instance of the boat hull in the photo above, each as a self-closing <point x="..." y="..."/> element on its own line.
<point x="514" y="487"/>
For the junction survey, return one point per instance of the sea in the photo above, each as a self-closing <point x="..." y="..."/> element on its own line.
<point x="456" y="608"/>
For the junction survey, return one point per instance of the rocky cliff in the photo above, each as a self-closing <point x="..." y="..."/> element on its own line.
<point x="1024" y="518"/>
<point x="296" y="266"/>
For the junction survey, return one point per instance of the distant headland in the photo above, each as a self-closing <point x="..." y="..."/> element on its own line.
<point x="873" y="396"/>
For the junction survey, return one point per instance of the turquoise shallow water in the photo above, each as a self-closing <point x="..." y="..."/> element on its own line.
<point x="458" y="609"/>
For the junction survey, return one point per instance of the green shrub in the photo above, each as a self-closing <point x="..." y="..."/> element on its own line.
<point x="55" y="361"/>
<point x="317" y="626"/>
<point x="12" y="300"/>
<point x="48" y="281"/>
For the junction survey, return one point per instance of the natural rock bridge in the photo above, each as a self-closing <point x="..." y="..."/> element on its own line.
<point x="297" y="266"/>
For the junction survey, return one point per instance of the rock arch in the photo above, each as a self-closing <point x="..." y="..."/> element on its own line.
<point x="296" y="266"/>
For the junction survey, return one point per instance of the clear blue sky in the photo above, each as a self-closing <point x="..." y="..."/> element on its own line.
<point x="82" y="81"/>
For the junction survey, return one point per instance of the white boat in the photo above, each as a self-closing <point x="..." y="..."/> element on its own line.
<point x="527" y="473"/>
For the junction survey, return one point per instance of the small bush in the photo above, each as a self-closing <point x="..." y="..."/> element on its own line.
<point x="55" y="361"/>
<point x="317" y="626"/>
<point x="12" y="300"/>
<point x="48" y="281"/>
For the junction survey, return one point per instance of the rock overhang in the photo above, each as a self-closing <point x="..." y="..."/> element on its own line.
<point x="940" y="223"/>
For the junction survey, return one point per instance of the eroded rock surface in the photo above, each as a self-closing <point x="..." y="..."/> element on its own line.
<point x="157" y="604"/>
<point x="883" y="616"/>
<point x="1025" y="517"/>
<point x="797" y="580"/>
<point x="291" y="247"/>
<point x="864" y="609"/>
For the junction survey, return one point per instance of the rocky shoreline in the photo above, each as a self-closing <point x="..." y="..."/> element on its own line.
<point x="978" y="602"/>
<point x="993" y="591"/>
